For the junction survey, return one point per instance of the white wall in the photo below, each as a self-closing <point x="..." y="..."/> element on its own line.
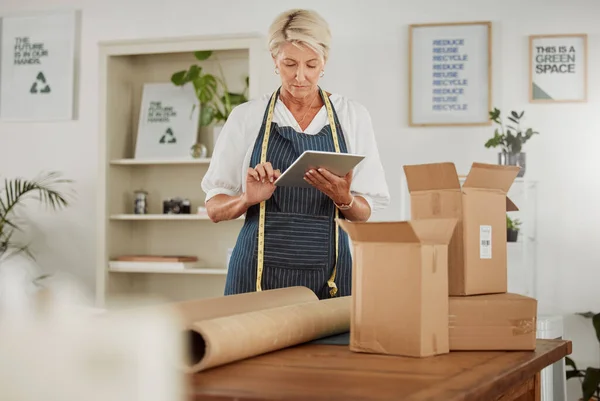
<point x="368" y="63"/>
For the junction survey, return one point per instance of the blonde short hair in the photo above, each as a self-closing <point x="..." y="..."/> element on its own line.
<point x="300" y="27"/>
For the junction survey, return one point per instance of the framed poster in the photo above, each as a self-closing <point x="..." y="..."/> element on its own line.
<point x="38" y="66"/>
<point x="450" y="76"/>
<point x="168" y="122"/>
<point x="558" y="68"/>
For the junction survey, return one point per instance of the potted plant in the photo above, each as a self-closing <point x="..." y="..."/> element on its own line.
<point x="512" y="229"/>
<point x="510" y="139"/>
<point x="215" y="98"/>
<point x="14" y="194"/>
<point x="590" y="377"/>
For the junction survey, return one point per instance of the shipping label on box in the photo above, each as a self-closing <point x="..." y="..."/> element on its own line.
<point x="477" y="251"/>
<point x="400" y="286"/>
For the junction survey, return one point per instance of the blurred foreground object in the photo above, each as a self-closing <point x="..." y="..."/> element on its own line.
<point x="54" y="347"/>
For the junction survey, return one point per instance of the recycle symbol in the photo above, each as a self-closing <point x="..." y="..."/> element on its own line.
<point x="168" y="137"/>
<point x="41" y="79"/>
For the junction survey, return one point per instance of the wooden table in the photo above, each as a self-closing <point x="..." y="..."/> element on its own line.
<point x="332" y="372"/>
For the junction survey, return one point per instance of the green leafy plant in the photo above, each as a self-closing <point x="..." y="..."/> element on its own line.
<point x="590" y="377"/>
<point x="14" y="193"/>
<point x="513" y="224"/>
<point x="510" y="138"/>
<point x="216" y="100"/>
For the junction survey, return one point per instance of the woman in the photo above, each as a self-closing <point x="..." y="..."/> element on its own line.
<point x="290" y="236"/>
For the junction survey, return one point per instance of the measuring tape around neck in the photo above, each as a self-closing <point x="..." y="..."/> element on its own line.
<point x="262" y="214"/>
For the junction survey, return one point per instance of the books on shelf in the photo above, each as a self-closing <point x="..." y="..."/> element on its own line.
<point x="148" y="263"/>
<point x="167" y="161"/>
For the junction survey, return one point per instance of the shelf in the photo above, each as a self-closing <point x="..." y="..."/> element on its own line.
<point x="150" y="217"/>
<point x="149" y="162"/>
<point x="171" y="271"/>
<point x="522" y="242"/>
<point x="159" y="217"/>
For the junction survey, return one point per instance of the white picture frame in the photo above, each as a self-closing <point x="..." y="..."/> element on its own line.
<point x="450" y="74"/>
<point x="558" y="70"/>
<point x="168" y="122"/>
<point x="38" y="66"/>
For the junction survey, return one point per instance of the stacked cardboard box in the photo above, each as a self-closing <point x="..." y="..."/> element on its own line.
<point x="438" y="283"/>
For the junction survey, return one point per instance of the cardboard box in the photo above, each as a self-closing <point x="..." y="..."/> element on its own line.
<point x="477" y="253"/>
<point x="400" y="286"/>
<point x="494" y="322"/>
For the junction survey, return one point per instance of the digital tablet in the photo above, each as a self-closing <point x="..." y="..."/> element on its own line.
<point x="339" y="164"/>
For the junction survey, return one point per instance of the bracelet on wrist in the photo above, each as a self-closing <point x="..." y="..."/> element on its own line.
<point x="345" y="206"/>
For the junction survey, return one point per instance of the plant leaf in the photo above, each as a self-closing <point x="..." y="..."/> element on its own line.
<point x="590" y="383"/>
<point x="204" y="95"/>
<point x="18" y="190"/>
<point x="5" y="221"/>
<point x="570" y="362"/>
<point x="206" y="87"/>
<point x="220" y="116"/>
<point x="495" y="115"/>
<point x="37" y="280"/>
<point x="513" y="120"/>
<point x="210" y="81"/>
<point x="596" y="323"/>
<point x="178" y="78"/>
<point x="207" y="114"/>
<point x="211" y="90"/>
<point x="202" y="54"/>
<point x="236" y="99"/>
<point x="588" y="315"/>
<point x="193" y="73"/>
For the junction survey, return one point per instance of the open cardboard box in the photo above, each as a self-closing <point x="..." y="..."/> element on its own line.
<point x="400" y="286"/>
<point x="477" y="251"/>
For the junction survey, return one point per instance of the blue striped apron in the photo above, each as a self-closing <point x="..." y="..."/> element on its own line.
<point x="299" y="233"/>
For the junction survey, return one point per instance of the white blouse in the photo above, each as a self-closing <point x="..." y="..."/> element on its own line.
<point x="231" y="156"/>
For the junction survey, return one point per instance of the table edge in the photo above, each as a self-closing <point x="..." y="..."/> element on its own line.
<point x="486" y="390"/>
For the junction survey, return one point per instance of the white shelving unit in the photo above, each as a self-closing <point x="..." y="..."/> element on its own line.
<point x="124" y="67"/>
<point x="521" y="255"/>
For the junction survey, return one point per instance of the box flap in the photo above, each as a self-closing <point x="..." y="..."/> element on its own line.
<point x="400" y="231"/>
<point x="491" y="176"/>
<point x="510" y="206"/>
<point x="437" y="231"/>
<point x="432" y="176"/>
<point x="507" y="296"/>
